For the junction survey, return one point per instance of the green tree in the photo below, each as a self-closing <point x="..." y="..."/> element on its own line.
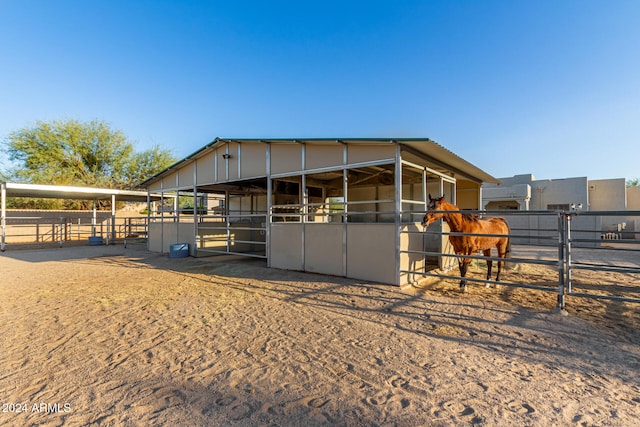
<point x="143" y="165"/>
<point x="633" y="182"/>
<point x="78" y="153"/>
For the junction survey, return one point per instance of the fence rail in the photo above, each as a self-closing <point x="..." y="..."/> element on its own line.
<point x="60" y="230"/>
<point x="235" y="232"/>
<point x="572" y="243"/>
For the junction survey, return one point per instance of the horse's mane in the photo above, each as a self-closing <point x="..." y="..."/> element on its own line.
<point x="466" y="215"/>
<point x="475" y="217"/>
<point x="471" y="217"/>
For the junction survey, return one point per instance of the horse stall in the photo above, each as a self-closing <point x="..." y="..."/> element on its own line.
<point x="344" y="207"/>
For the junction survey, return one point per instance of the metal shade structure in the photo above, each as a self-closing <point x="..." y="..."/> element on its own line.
<point x="13" y="189"/>
<point x="39" y="191"/>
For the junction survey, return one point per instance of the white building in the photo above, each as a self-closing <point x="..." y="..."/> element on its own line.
<point x="524" y="192"/>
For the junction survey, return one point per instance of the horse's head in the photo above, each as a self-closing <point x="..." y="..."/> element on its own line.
<point x="434" y="205"/>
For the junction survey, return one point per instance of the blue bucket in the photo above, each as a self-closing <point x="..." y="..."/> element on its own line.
<point x="179" y="250"/>
<point x="95" y="241"/>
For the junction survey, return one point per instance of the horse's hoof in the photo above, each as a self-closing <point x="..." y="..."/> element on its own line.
<point x="463" y="288"/>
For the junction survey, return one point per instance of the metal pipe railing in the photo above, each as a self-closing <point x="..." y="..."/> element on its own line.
<point x="567" y="260"/>
<point x="66" y="229"/>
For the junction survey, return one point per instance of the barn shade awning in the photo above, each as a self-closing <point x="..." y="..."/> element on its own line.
<point x="13" y="189"/>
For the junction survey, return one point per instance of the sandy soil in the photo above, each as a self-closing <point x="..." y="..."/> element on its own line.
<point x="114" y="336"/>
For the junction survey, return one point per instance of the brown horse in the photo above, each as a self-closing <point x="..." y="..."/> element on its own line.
<point x="467" y="245"/>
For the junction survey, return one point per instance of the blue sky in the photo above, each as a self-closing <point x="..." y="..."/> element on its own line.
<point x="550" y="88"/>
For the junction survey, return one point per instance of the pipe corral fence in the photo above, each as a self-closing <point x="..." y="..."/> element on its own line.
<point x="568" y="246"/>
<point x="58" y="228"/>
<point x="569" y="243"/>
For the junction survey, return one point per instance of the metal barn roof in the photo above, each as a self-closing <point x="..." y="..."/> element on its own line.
<point x="422" y="146"/>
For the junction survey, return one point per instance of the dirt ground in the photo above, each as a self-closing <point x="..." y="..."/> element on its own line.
<point x="117" y="337"/>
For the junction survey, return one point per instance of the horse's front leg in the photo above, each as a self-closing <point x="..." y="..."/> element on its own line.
<point x="463" y="264"/>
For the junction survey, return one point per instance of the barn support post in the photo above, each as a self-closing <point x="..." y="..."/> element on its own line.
<point x="93" y="220"/>
<point x="195" y="207"/>
<point x="113" y="219"/>
<point x="425" y="206"/>
<point x="398" y="210"/>
<point x="567" y="246"/>
<point x="269" y="204"/>
<point x="345" y="200"/>
<point x="303" y="198"/>
<point x="148" y="218"/>
<point x="162" y="217"/>
<point x="176" y="207"/>
<point x="3" y="215"/>
<point x="227" y="220"/>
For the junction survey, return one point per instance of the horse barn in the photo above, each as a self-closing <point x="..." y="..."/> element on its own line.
<point x="345" y="207"/>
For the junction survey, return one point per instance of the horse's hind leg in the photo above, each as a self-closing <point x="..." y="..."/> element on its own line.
<point x="500" y="264"/>
<point x="502" y="253"/>
<point x="487" y="253"/>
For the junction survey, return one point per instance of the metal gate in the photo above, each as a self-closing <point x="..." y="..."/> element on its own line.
<point x="612" y="250"/>
<point x="234" y="233"/>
